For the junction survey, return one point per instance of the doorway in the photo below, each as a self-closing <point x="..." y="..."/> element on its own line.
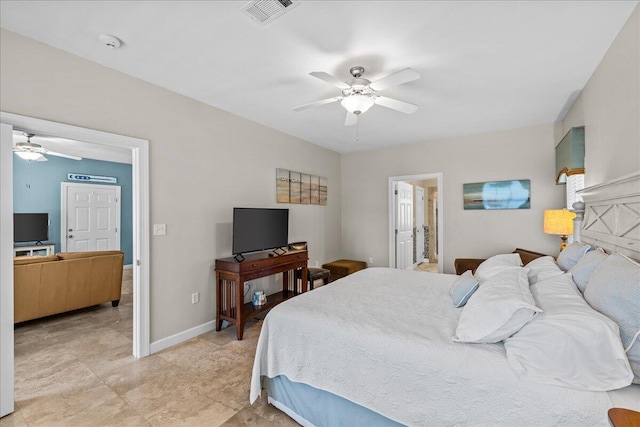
<point x="426" y="229"/>
<point x="140" y="179"/>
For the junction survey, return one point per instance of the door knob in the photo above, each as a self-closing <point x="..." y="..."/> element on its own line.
<point x="71" y="229"/>
<point x="70" y="236"/>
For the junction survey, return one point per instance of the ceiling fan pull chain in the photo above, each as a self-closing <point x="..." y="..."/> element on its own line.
<point x="357" y="131"/>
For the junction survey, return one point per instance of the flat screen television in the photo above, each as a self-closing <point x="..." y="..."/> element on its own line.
<point x="30" y="227"/>
<point x="259" y="229"/>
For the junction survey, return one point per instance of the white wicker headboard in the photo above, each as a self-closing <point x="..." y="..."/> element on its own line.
<point x="612" y="216"/>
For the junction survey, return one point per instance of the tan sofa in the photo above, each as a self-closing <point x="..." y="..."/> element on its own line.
<point x="46" y="285"/>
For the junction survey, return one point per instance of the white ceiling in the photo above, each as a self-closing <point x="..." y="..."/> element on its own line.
<point x="484" y="65"/>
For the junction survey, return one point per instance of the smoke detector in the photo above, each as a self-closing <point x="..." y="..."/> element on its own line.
<point x="112" y="42"/>
<point x="265" y="11"/>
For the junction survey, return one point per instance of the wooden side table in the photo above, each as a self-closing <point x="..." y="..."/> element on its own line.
<point x="621" y="417"/>
<point x="231" y="275"/>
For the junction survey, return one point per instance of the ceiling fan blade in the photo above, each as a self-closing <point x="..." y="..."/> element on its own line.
<point x="330" y="79"/>
<point x="351" y="119"/>
<point x="318" y="103"/>
<point x="394" y="104"/>
<point x="395" y="79"/>
<point x="41" y="159"/>
<point x="66" y="156"/>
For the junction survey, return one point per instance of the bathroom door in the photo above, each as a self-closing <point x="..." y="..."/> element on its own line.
<point x="404" y="225"/>
<point x="419" y="208"/>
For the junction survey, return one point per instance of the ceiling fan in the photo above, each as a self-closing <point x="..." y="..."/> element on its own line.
<point x="360" y="94"/>
<point x="31" y="151"/>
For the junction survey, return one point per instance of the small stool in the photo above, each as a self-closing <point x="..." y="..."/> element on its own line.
<point x="343" y="267"/>
<point x="317" y="274"/>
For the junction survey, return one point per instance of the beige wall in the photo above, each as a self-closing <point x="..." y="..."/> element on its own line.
<point x="526" y="153"/>
<point x="203" y="162"/>
<point x="609" y="108"/>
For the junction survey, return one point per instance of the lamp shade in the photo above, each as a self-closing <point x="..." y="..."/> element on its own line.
<point x="570" y="155"/>
<point x="558" y="221"/>
<point x="357" y="104"/>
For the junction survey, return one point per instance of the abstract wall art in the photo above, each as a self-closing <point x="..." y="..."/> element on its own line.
<point x="514" y="194"/>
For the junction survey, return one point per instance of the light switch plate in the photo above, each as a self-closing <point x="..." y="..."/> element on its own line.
<point x="159" y="229"/>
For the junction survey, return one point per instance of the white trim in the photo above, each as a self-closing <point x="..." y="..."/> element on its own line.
<point x="6" y="272"/>
<point x="174" y="339"/>
<point x="392" y="215"/>
<point x="140" y="186"/>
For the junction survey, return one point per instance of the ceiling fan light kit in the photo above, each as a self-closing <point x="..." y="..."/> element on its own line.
<point x="357" y="104"/>
<point x="360" y="94"/>
<point x="35" y="152"/>
<point x="29" y="155"/>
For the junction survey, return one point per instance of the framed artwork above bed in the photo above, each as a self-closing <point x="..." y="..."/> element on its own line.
<point x="515" y="194"/>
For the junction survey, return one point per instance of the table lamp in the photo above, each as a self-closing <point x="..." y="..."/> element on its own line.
<point x="560" y="222"/>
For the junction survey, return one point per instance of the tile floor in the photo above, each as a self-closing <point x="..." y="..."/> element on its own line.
<point x="427" y="266"/>
<point x="77" y="369"/>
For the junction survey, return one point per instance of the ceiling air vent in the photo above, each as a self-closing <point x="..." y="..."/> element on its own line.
<point x="265" y="11"/>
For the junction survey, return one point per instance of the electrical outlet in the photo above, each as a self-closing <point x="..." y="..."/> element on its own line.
<point x="371" y="261"/>
<point x="159" y="229"/>
<point x="195" y="297"/>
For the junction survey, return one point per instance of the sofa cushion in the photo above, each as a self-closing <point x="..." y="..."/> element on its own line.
<point x="23" y="260"/>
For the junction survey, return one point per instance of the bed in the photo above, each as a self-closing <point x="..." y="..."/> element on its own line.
<point x="375" y="348"/>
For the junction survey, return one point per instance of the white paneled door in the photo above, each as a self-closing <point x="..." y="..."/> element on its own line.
<point x="90" y="217"/>
<point x="404" y="225"/>
<point x="420" y="255"/>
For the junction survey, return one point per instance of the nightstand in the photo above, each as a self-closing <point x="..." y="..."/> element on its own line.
<point x="620" y="417"/>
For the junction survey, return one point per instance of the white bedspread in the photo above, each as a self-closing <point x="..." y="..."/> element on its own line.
<point x="382" y="338"/>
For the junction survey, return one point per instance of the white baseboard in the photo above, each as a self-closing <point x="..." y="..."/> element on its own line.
<point x="128" y="267"/>
<point x="174" y="339"/>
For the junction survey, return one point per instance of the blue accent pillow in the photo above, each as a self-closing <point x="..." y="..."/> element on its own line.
<point x="571" y="254"/>
<point x="463" y="288"/>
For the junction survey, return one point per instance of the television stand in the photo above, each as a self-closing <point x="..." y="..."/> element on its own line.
<point x="231" y="276"/>
<point x="37" y="249"/>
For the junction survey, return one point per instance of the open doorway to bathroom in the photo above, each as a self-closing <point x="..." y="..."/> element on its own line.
<point x="415" y="222"/>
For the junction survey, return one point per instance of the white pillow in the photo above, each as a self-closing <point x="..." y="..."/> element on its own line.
<point x="614" y="290"/>
<point x="497" y="264"/>
<point x="569" y="344"/>
<point x="584" y="268"/>
<point x="571" y="254"/>
<point x="541" y="268"/>
<point x="499" y="308"/>
<point x="463" y="288"/>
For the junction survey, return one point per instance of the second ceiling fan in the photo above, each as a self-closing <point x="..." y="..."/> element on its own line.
<point x="360" y="94"/>
<point x="28" y="150"/>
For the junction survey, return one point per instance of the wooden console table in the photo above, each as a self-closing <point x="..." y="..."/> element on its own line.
<point x="231" y="275"/>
